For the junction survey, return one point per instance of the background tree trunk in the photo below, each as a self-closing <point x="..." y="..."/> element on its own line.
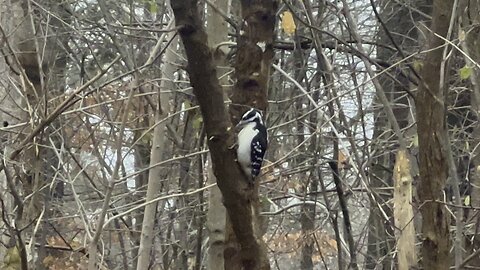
<point x="396" y="84"/>
<point x="39" y="66"/>
<point x="12" y="114"/>
<point x="403" y="212"/>
<point x="155" y="174"/>
<point x="470" y="23"/>
<point x="432" y="135"/>
<point x="217" y="30"/>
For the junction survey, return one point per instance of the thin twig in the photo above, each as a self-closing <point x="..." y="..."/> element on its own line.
<point x="345" y="213"/>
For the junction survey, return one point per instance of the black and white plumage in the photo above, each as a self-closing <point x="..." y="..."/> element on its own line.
<point x="252" y="143"/>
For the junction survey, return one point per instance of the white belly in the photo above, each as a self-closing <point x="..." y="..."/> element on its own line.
<point x="244" y="145"/>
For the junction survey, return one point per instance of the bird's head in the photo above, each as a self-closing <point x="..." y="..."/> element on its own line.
<point x="252" y="115"/>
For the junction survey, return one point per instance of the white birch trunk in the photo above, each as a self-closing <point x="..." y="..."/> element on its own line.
<point x="158" y="145"/>
<point x="216" y="216"/>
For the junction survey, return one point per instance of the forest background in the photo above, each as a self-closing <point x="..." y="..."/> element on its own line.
<point x="117" y="124"/>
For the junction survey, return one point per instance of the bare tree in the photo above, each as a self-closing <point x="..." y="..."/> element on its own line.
<point x="236" y="192"/>
<point x="432" y="136"/>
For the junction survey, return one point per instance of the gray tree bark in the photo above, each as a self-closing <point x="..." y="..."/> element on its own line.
<point x="216" y="217"/>
<point x="156" y="154"/>
<point x="432" y="135"/>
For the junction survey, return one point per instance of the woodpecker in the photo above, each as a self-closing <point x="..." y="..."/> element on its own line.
<point x="252" y="143"/>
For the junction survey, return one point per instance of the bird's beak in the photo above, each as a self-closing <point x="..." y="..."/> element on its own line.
<point x="240" y="125"/>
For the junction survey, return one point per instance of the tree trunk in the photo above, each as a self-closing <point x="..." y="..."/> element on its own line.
<point x="237" y="193"/>
<point x="395" y="84"/>
<point x="184" y="184"/>
<point x="155" y="174"/>
<point x="12" y="114"/>
<point x="470" y="21"/>
<point x="142" y="160"/>
<point x="403" y="212"/>
<point x="216" y="217"/>
<point x="40" y="68"/>
<point x="252" y="73"/>
<point x="432" y="135"/>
